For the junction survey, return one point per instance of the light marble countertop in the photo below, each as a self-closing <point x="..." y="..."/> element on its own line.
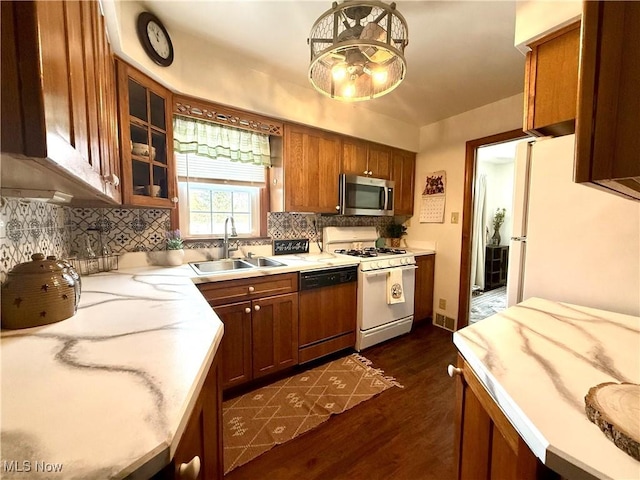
<point x="538" y="360"/>
<point x="108" y="391"/>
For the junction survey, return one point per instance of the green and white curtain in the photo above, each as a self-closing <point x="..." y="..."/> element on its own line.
<point x="208" y="139"/>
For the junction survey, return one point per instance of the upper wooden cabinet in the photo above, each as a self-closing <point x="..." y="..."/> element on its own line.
<point x="379" y="164"/>
<point x="366" y="159"/>
<point x="58" y="98"/>
<point x="607" y="141"/>
<point x="146" y="135"/>
<point x="403" y="174"/>
<point x="551" y="83"/>
<point x="305" y="179"/>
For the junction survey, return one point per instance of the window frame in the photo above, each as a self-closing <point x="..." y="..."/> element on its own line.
<point x="183" y="212"/>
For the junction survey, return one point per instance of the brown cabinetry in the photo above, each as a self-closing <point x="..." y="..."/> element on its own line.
<point x="423" y="299"/>
<point x="274" y="334"/>
<point x="551" y="83"/>
<point x="365" y="159"/>
<point x="328" y="318"/>
<point x="58" y="98"/>
<point x="236" y="343"/>
<point x="487" y="446"/>
<point x="260" y="317"/>
<point x="199" y="450"/>
<point x="607" y="141"/>
<point x="307" y="178"/>
<point x="403" y="174"/>
<point x="146" y="137"/>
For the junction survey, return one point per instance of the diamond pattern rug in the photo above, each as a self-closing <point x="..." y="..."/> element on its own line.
<point x="257" y="421"/>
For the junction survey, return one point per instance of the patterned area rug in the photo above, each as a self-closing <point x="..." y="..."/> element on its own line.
<point x="257" y="421"/>
<point x="486" y="304"/>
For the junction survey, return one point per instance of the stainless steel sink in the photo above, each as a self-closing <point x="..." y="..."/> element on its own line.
<point x="263" y="262"/>
<point x="219" y="266"/>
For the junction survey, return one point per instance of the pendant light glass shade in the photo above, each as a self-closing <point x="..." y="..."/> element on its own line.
<point x="357" y="50"/>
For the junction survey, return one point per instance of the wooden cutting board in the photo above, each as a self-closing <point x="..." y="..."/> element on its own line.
<point x="615" y="408"/>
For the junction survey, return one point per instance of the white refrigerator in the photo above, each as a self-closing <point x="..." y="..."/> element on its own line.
<point x="570" y="242"/>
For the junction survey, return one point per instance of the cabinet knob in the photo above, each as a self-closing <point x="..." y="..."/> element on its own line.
<point x="247" y="310"/>
<point x="338" y="207"/>
<point x="366" y="172"/>
<point x="256" y="308"/>
<point x="191" y="470"/>
<point x="252" y="289"/>
<point x="370" y="173"/>
<point x="174" y="199"/>
<point x="453" y="371"/>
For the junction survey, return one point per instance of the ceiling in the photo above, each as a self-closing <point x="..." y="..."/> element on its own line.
<point x="460" y="54"/>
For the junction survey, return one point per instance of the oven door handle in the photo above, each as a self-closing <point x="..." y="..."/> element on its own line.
<point x="384" y="271"/>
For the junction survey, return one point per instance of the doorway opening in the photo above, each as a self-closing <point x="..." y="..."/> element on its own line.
<point x="492" y="218"/>
<point x="479" y="244"/>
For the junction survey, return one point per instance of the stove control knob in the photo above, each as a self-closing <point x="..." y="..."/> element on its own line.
<point x="374" y="265"/>
<point x="392" y="262"/>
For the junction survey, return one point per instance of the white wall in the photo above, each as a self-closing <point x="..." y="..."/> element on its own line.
<point x="207" y="72"/>
<point x="442" y="147"/>
<point x="499" y="195"/>
<point x="537" y="18"/>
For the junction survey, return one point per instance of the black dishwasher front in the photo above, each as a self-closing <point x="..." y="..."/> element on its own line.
<point x="327" y="311"/>
<point x="326" y="277"/>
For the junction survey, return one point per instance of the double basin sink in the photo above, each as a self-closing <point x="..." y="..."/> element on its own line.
<point x="232" y="264"/>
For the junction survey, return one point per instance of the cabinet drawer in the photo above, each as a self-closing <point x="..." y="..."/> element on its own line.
<point x="232" y="291"/>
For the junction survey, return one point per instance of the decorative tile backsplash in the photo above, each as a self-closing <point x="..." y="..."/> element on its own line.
<point x="31" y="227"/>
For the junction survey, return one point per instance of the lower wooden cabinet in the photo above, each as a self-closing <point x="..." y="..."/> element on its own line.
<point x="236" y="343"/>
<point x="260" y="338"/>
<point x="423" y="298"/>
<point x="274" y="334"/>
<point x="199" y="454"/>
<point x="260" y="317"/>
<point x="486" y="444"/>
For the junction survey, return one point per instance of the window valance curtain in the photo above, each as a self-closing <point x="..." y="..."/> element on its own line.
<point x="208" y="139"/>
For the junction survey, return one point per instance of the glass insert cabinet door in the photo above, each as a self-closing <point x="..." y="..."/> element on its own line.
<point x="146" y="135"/>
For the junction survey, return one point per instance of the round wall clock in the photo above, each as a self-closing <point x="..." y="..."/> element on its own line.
<point x="155" y="39"/>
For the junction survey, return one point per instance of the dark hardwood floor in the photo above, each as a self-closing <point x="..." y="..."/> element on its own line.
<point x="400" y="434"/>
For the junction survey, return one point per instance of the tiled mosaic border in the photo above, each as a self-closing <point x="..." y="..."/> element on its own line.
<point x="28" y="228"/>
<point x="31" y="227"/>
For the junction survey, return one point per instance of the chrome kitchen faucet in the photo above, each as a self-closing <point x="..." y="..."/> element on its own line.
<point x="225" y="242"/>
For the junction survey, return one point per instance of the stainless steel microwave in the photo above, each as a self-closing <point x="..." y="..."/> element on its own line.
<point x="366" y="196"/>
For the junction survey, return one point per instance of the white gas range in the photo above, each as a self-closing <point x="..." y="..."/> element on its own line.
<point x="386" y="283"/>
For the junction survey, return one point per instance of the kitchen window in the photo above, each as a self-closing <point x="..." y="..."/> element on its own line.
<point x="221" y="173"/>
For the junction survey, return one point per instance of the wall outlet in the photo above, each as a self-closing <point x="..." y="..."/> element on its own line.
<point x="455" y="217"/>
<point x="442" y="303"/>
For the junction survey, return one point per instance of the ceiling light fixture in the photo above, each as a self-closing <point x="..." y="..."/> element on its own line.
<point x="357" y="50"/>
